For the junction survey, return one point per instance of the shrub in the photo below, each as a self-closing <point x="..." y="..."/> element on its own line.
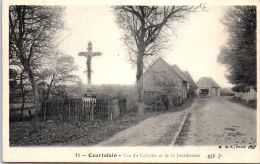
<point x="249" y="103"/>
<point x="247" y="89"/>
<point x="243" y="88"/>
<point x="108" y="92"/>
<point x="157" y="102"/>
<point x="226" y="92"/>
<point x="162" y="101"/>
<point x="239" y="88"/>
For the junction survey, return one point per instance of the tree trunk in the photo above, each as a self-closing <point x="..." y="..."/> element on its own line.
<point x="140" y="67"/>
<point x="22" y="109"/>
<point x="23" y="95"/>
<point x="49" y="88"/>
<point x="36" y="100"/>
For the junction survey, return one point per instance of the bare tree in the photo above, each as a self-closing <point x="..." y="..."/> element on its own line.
<point x="18" y="79"/>
<point x="57" y="69"/>
<point x="146" y="31"/>
<point x="31" y="31"/>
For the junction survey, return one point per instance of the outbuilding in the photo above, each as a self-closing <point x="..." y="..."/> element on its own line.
<point x="208" y="86"/>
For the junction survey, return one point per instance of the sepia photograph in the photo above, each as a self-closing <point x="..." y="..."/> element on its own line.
<point x="132" y="82"/>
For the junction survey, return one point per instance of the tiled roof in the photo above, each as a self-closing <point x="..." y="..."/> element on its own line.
<point x="179" y="72"/>
<point x="173" y="68"/>
<point x="210" y="81"/>
<point x="191" y="81"/>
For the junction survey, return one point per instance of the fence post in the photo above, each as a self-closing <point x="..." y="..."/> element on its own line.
<point x="110" y="104"/>
<point x="44" y="109"/>
<point x="69" y="109"/>
<point x="79" y="111"/>
<point x="108" y="109"/>
<point x="92" y="110"/>
<point x="85" y="111"/>
<point x="76" y="111"/>
<point x="125" y="105"/>
<point x="59" y="110"/>
<point x="52" y="110"/>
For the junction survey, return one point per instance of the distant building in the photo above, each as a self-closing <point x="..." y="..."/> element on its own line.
<point x="208" y="86"/>
<point x="160" y="77"/>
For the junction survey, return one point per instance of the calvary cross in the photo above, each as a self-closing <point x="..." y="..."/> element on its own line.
<point x="89" y="55"/>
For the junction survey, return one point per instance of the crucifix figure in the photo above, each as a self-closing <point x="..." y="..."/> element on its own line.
<point x="89" y="55"/>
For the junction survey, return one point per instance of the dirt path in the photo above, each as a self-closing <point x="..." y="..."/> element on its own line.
<point x="159" y="131"/>
<point x="220" y="122"/>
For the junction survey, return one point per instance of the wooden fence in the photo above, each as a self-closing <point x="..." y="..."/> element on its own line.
<point x="77" y="110"/>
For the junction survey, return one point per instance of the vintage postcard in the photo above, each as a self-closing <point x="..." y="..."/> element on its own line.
<point x="130" y="81"/>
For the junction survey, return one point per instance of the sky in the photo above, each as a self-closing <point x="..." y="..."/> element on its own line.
<point x="195" y="48"/>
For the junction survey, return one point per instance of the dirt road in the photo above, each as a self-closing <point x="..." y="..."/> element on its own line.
<point x="212" y="121"/>
<point x="156" y="131"/>
<point x="220" y="122"/>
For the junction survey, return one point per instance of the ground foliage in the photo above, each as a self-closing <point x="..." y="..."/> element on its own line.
<point x="251" y="104"/>
<point x="69" y="133"/>
<point x="47" y="133"/>
<point x="226" y="92"/>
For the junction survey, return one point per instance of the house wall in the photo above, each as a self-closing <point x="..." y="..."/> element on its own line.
<point x="184" y="91"/>
<point x="215" y="91"/>
<point x="159" y="77"/>
<point x="218" y="91"/>
<point x="212" y="91"/>
<point x="203" y="84"/>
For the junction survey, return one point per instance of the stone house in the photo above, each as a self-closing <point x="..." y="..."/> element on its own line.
<point x="208" y="86"/>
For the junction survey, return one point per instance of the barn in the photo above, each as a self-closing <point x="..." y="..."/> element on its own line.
<point x="208" y="86"/>
<point x="162" y="78"/>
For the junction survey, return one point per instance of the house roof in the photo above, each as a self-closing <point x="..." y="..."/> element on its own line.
<point x="173" y="68"/>
<point x="157" y="60"/>
<point x="179" y="72"/>
<point x="210" y="81"/>
<point x="191" y="81"/>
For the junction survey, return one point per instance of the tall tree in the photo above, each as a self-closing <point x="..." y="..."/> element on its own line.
<point x="57" y="69"/>
<point x="13" y="84"/>
<point x="23" y="91"/>
<point x="147" y="30"/>
<point x="32" y="30"/>
<point x="239" y="53"/>
<point x="18" y="79"/>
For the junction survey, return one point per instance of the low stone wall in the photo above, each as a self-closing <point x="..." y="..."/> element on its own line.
<point x="252" y="95"/>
